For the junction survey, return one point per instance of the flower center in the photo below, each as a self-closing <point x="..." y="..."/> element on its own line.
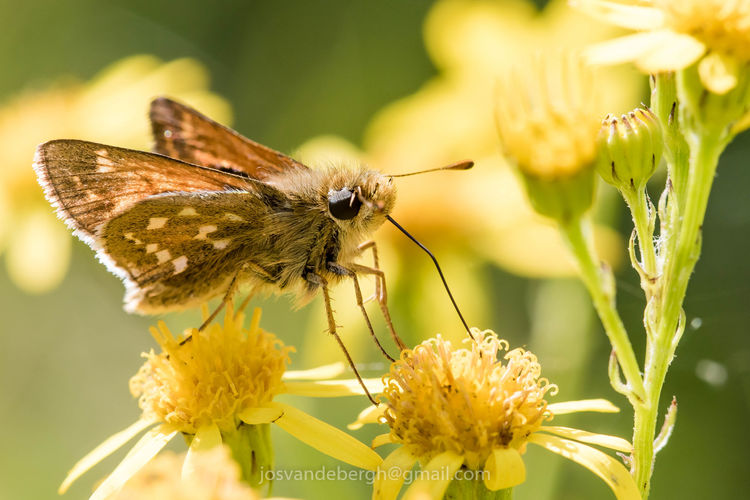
<point x="465" y="400"/>
<point x="211" y="377"/>
<point x="722" y="25"/>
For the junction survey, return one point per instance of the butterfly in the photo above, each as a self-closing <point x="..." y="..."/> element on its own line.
<point x="210" y="211"/>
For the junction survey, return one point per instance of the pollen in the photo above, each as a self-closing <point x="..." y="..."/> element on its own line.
<point x="722" y="25"/>
<point x="468" y="401"/>
<point x="157" y="222"/>
<point x="220" y="372"/>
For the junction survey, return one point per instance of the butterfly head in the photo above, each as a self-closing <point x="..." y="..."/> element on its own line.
<point x="360" y="199"/>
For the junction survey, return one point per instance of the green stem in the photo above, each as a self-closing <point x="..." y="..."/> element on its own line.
<point x="252" y="450"/>
<point x="642" y="217"/>
<point x="602" y="295"/>
<point x="683" y="249"/>
<point x="465" y="489"/>
<point x="664" y="105"/>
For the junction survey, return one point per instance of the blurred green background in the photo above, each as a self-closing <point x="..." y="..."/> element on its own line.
<point x="290" y="71"/>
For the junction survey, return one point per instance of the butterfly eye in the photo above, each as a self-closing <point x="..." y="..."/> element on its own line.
<point x="343" y="204"/>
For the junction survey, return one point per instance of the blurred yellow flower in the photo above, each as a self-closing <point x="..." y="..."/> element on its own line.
<point x="111" y="108"/>
<point x="674" y="34"/>
<point x="482" y="214"/>
<point x="217" y="477"/>
<point x="465" y="409"/>
<point x="548" y="124"/>
<point x="219" y="387"/>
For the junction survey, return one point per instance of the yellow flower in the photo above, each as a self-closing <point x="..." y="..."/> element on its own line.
<point x="217" y="477"/>
<point x="548" y="123"/>
<point x="111" y="108"/>
<point x="674" y="34"/>
<point x="220" y="386"/>
<point x="464" y="409"/>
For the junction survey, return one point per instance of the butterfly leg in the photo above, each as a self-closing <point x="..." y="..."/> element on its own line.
<point x="246" y="301"/>
<point x="381" y="292"/>
<point x="231" y="290"/>
<point x="323" y="284"/>
<point x="339" y="269"/>
<point x="379" y="288"/>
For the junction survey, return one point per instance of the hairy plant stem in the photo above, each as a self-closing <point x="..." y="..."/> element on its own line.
<point x="599" y="283"/>
<point x="682" y="252"/>
<point x="644" y="228"/>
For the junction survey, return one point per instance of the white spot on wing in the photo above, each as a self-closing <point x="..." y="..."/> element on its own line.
<point x="233" y="217"/>
<point x="221" y="244"/>
<point x="180" y="264"/>
<point x="188" y="211"/>
<point x="157" y="222"/>
<point x="203" y="231"/>
<point x="103" y="163"/>
<point x="152" y="247"/>
<point x="163" y="256"/>
<point x="129" y="236"/>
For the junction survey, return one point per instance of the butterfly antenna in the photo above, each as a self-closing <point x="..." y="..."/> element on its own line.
<point x="462" y="165"/>
<point x="440" y="271"/>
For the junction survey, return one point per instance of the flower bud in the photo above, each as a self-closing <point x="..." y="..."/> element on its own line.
<point x="630" y="148"/>
<point x="709" y="110"/>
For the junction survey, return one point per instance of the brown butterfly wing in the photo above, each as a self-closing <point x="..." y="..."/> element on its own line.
<point x="91" y="183"/>
<point x="178" y="250"/>
<point x="183" y="133"/>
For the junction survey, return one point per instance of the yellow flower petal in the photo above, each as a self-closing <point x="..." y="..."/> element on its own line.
<point x="326" y="438"/>
<point x="260" y="415"/>
<point x="382" y="439"/>
<point x="443" y="466"/>
<point x="370" y="415"/>
<point x="607" y="468"/>
<point x="143" y="451"/>
<point x="634" y="17"/>
<point x="207" y="437"/>
<point x="102" y="451"/>
<point x="317" y="373"/>
<point x="391" y="474"/>
<point x="613" y="442"/>
<point x="506" y="469"/>
<point x="622" y="49"/>
<point x="333" y="388"/>
<point x="597" y="405"/>
<point x="672" y="52"/>
<point x="718" y="72"/>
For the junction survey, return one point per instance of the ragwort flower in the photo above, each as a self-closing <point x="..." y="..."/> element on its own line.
<point x="548" y="122"/>
<point x="219" y="386"/>
<point x="674" y="34"/>
<point x="217" y="478"/>
<point x="464" y="409"/>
